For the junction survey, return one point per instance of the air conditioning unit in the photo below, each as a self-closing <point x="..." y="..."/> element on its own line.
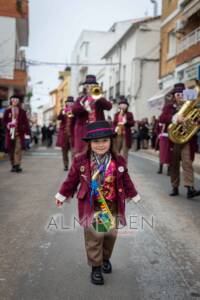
<point x="180" y="25"/>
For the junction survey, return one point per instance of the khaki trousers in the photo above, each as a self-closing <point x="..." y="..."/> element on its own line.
<point x="99" y="245"/>
<point x="65" y="152"/>
<point x="181" y="153"/>
<point x="121" y="146"/>
<point x="16" y="151"/>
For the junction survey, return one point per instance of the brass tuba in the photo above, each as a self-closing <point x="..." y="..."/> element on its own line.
<point x="181" y="133"/>
<point x="96" y="91"/>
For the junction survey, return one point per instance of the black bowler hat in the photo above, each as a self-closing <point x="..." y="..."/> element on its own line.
<point x="123" y="100"/>
<point x="178" y="88"/>
<point x="90" y="79"/>
<point x="69" y="99"/>
<point x="15" y="96"/>
<point x="98" y="130"/>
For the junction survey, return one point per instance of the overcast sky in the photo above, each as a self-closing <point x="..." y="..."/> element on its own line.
<point x="55" y="26"/>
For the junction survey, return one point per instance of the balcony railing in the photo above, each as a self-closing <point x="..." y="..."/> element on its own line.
<point x="189" y="40"/>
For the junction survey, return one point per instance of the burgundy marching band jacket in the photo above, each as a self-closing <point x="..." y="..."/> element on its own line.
<point x="79" y="178"/>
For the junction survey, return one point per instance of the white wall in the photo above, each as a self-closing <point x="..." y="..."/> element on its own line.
<point x="99" y="43"/>
<point x="7" y="47"/>
<point x="140" y="80"/>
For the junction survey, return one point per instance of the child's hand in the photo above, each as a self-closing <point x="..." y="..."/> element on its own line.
<point x="136" y="199"/>
<point x="58" y="203"/>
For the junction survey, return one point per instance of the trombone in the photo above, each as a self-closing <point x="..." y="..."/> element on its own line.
<point x="96" y="92"/>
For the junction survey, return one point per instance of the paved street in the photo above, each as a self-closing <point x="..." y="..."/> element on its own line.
<point x="156" y="256"/>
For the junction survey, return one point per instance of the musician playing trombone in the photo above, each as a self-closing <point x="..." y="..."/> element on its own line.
<point x="88" y="108"/>
<point x="17" y="126"/>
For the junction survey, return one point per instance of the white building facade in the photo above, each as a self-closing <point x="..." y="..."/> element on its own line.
<point x="135" y="69"/>
<point x="14" y="33"/>
<point x="88" y="51"/>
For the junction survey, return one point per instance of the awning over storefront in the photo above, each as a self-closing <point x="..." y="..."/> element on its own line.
<point x="157" y="101"/>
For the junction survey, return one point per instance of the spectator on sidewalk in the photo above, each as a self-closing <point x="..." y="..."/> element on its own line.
<point x="144" y="133"/>
<point x="35" y="130"/>
<point x="2" y="132"/>
<point x="44" y="134"/>
<point x="50" y="133"/>
<point x="152" y="131"/>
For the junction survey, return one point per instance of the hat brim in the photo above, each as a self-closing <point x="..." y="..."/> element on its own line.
<point x="84" y="83"/>
<point x="123" y="102"/>
<point x="99" y="135"/>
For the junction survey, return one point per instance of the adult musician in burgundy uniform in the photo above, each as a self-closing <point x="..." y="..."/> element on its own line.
<point x="180" y="152"/>
<point x="17" y="125"/>
<point x="123" y="121"/>
<point x="65" y="133"/>
<point x="87" y="110"/>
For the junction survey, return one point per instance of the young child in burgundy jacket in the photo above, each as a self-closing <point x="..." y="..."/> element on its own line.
<point x="104" y="185"/>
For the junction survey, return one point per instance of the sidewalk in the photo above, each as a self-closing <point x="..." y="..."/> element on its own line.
<point x="152" y="152"/>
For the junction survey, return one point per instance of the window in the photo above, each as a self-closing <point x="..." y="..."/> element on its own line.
<point x="171" y="45"/>
<point x="85" y="49"/>
<point x="124" y="79"/>
<point x="117" y="90"/>
<point x="116" y="76"/>
<point x="111" y="90"/>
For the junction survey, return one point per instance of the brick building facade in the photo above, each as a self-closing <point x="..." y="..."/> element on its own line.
<point x="180" y="42"/>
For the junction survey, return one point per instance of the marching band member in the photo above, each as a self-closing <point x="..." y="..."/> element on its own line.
<point x="17" y="126"/>
<point x="180" y="152"/>
<point x="86" y="110"/>
<point x="104" y="186"/>
<point x="65" y="133"/>
<point x="123" y="121"/>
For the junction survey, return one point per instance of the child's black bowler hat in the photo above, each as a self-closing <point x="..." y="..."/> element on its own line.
<point x="98" y="130"/>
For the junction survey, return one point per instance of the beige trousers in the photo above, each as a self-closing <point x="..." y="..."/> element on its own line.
<point x="181" y="153"/>
<point x="99" y="246"/>
<point x="16" y="152"/>
<point x="121" y="146"/>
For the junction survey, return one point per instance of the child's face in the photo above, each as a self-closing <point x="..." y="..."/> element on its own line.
<point x="14" y="101"/>
<point x="100" y="146"/>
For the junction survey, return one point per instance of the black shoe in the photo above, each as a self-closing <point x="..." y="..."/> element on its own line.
<point x="174" y="192"/>
<point x="13" y="169"/>
<point x="18" y="169"/>
<point x="96" y="276"/>
<point x="191" y="192"/>
<point x="168" y="171"/>
<point x="160" y="170"/>
<point x="107" y="267"/>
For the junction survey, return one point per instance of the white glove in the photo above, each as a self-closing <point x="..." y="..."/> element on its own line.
<point x="135" y="199"/>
